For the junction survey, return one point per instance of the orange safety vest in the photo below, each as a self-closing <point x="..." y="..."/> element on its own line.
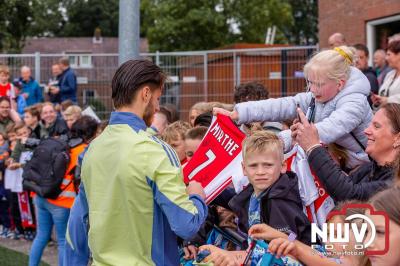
<point x="68" y="194"/>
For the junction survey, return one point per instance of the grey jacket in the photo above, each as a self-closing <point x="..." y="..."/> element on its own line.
<point x="347" y="112"/>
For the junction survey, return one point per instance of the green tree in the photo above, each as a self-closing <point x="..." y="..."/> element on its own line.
<point x="186" y="25"/>
<point x="304" y="31"/>
<point x="254" y="17"/>
<point x="49" y="18"/>
<point x="202" y="24"/>
<point x="85" y="16"/>
<point x="169" y="25"/>
<point x="14" y="22"/>
<point x="22" y="18"/>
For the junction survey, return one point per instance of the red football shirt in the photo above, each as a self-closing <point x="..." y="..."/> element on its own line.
<point x="4" y="89"/>
<point x="217" y="158"/>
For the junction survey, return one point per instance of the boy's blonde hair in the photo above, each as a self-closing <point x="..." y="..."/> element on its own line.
<point x="175" y="131"/>
<point x="196" y="133"/>
<point x="332" y="64"/>
<point x="73" y="110"/>
<point x="4" y="69"/>
<point x="262" y="141"/>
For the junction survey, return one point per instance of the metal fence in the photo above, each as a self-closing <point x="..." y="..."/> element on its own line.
<point x="194" y="76"/>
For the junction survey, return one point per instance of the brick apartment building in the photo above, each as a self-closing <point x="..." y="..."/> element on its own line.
<point x="361" y="21"/>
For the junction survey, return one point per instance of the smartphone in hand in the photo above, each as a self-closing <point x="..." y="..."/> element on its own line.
<point x="298" y="116"/>
<point x="202" y="255"/>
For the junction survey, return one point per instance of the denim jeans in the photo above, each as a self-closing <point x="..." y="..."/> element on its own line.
<point x="47" y="215"/>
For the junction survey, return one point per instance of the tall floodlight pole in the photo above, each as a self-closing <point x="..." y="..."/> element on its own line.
<point x="129" y="30"/>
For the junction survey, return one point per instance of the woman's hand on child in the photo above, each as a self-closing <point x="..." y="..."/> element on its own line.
<point x="304" y="133"/>
<point x="282" y="247"/>
<point x="233" y="115"/>
<point x="265" y="232"/>
<point x="220" y="257"/>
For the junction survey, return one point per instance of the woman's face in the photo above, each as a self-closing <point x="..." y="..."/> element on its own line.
<point x="48" y="114"/>
<point x="193" y="115"/>
<point x="392" y="257"/>
<point x="380" y="137"/>
<point x="393" y="59"/>
<point x="324" y="89"/>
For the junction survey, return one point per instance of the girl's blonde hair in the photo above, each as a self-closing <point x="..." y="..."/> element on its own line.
<point x="332" y="64"/>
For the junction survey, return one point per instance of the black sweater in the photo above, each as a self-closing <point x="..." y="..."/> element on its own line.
<point x="281" y="208"/>
<point x="360" y="184"/>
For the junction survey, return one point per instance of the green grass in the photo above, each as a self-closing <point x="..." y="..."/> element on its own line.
<point x="10" y="257"/>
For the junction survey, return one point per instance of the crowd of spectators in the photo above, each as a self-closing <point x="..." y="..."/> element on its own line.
<point x="347" y="124"/>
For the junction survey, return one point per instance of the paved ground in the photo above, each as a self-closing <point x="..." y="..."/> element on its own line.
<point x="49" y="254"/>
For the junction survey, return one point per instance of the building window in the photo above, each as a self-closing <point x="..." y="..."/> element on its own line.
<point x="73" y="61"/>
<point x="85" y="61"/>
<point x="80" y="61"/>
<point x="88" y="94"/>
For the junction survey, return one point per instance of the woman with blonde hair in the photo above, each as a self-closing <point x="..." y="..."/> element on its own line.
<point x="336" y="101"/>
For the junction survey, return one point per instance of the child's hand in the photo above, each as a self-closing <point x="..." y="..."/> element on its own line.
<point x="233" y="115"/>
<point x="282" y="247"/>
<point x="265" y="232"/>
<point x="220" y="257"/>
<point x="190" y="252"/>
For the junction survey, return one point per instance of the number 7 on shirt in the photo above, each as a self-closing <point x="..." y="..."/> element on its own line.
<point x="210" y="158"/>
